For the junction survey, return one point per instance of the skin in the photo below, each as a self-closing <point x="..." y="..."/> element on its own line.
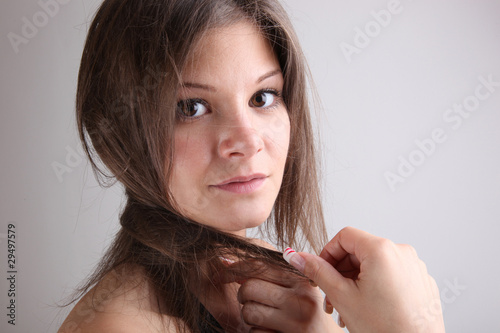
<point x="121" y="302"/>
<point x="375" y="285"/>
<point x="232" y="83"/>
<point x="229" y="136"/>
<point x="277" y="301"/>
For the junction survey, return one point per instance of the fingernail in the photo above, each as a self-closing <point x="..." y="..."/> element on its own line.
<point x="327" y="306"/>
<point x="340" y="322"/>
<point x="294" y="259"/>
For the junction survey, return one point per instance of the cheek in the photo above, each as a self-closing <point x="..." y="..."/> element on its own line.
<point x="190" y="150"/>
<point x="278" y="133"/>
<point x="190" y="160"/>
<point x="190" y="165"/>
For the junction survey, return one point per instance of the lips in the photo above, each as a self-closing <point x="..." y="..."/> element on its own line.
<point x="242" y="184"/>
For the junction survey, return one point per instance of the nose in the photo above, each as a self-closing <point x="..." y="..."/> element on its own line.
<point x="239" y="137"/>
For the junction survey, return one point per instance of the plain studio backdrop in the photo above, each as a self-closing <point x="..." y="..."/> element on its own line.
<point x="410" y="140"/>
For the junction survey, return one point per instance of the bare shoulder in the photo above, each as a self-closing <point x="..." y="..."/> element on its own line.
<point x="121" y="302"/>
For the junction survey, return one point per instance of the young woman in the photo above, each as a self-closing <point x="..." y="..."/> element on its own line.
<point x="199" y="109"/>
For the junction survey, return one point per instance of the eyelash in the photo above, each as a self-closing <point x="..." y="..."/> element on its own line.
<point x="277" y="94"/>
<point x="276" y="103"/>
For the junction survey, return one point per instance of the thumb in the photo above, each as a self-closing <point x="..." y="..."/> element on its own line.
<point x="318" y="270"/>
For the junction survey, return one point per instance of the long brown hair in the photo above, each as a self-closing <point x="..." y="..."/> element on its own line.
<point x="126" y="104"/>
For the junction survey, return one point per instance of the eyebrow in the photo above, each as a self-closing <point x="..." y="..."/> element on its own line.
<point x="268" y="75"/>
<point x="212" y="89"/>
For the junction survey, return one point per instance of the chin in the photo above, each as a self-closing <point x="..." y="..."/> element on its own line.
<point x="233" y="218"/>
<point x="238" y="224"/>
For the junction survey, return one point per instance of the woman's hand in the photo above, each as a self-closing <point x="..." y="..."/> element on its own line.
<point x="290" y="305"/>
<point x="274" y="300"/>
<point x="278" y="301"/>
<point x="374" y="284"/>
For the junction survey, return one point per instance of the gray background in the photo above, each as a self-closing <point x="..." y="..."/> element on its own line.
<point x="394" y="91"/>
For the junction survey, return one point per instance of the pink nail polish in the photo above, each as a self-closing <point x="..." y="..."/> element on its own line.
<point x="289" y="252"/>
<point x="294" y="259"/>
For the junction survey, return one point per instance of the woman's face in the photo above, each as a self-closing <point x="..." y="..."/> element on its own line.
<point x="232" y="133"/>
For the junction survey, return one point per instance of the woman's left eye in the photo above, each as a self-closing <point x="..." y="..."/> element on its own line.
<point x="264" y="99"/>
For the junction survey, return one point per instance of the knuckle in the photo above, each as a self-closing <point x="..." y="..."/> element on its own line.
<point x="309" y="303"/>
<point x="382" y="246"/>
<point x="422" y="266"/>
<point x="434" y="286"/>
<point x="347" y="229"/>
<point x="246" y="290"/>
<point x="410" y="250"/>
<point x="277" y="298"/>
<point x="252" y="315"/>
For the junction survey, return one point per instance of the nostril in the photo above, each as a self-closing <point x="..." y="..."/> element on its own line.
<point x="240" y="142"/>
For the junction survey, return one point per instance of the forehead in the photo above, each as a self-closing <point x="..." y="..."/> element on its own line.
<point x="237" y="51"/>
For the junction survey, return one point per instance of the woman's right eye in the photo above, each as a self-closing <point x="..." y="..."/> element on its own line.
<point x="192" y="108"/>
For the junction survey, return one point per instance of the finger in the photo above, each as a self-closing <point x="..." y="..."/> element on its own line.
<point x="268" y="318"/>
<point x="349" y="242"/>
<point x="340" y="322"/>
<point x="261" y="291"/>
<point x="327" y="306"/>
<point x="254" y="314"/>
<point x="260" y="330"/>
<point x="321" y="272"/>
<point x="229" y="276"/>
<point x="348" y="267"/>
<point x="288" y="255"/>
